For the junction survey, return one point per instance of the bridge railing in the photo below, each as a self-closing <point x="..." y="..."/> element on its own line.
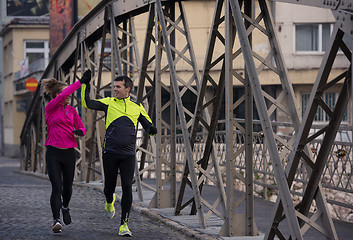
<point x="337" y="176"/>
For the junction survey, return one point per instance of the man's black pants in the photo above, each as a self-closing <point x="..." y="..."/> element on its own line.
<point x="125" y="164"/>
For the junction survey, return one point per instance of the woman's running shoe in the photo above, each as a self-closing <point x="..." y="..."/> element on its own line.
<point x="66" y="215"/>
<point x="57" y="226"/>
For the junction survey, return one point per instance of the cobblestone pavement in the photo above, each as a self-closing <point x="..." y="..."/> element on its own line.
<point x="25" y="212"/>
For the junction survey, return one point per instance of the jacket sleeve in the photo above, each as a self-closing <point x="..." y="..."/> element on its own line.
<point x="58" y="100"/>
<point x="78" y="124"/>
<point x="88" y="103"/>
<point x="146" y="122"/>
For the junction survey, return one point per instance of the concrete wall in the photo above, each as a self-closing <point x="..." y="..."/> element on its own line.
<point x="285" y="22"/>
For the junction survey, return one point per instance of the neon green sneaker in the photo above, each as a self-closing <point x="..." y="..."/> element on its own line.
<point x="124" y="230"/>
<point x="109" y="208"/>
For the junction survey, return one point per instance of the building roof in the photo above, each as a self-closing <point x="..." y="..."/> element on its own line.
<point x="44" y="20"/>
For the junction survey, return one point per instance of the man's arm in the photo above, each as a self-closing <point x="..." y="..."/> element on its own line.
<point x="88" y="103"/>
<point x="146" y="122"/>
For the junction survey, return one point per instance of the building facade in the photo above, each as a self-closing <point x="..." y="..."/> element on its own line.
<point x="302" y="36"/>
<point x="25" y="55"/>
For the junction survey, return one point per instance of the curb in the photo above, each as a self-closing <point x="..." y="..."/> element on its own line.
<point x="189" y="232"/>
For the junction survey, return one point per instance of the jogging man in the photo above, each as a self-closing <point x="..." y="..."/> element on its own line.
<point x="122" y="115"/>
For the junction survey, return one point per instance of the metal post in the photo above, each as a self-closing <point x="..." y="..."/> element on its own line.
<point x="180" y="109"/>
<point x="265" y="123"/>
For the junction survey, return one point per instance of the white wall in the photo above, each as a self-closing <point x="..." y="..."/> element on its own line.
<point x="286" y="16"/>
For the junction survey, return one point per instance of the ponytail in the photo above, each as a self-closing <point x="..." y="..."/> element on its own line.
<point x="52" y="87"/>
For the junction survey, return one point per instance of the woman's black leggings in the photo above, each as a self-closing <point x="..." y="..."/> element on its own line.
<point x="61" y="170"/>
<point x="126" y="164"/>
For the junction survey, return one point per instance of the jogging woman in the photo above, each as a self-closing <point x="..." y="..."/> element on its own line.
<point x="63" y="122"/>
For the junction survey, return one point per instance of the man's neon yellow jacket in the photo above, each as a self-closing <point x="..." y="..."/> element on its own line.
<point x="121" y="119"/>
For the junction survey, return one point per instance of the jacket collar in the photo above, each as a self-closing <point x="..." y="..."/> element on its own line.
<point x="123" y="99"/>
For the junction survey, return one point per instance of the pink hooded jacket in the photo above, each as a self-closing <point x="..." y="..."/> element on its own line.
<point x="62" y="120"/>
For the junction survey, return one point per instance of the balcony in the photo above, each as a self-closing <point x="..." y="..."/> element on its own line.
<point x="35" y="70"/>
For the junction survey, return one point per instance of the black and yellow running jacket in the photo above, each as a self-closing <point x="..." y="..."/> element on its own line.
<point x="121" y="119"/>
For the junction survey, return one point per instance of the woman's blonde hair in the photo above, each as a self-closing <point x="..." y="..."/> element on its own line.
<point x="52" y="86"/>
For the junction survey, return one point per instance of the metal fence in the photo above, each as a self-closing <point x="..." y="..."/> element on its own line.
<point x="336" y="180"/>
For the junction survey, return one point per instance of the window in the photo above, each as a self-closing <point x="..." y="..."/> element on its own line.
<point x="315" y="37"/>
<point x="37" y="51"/>
<point x="330" y="99"/>
<point x="312" y="37"/>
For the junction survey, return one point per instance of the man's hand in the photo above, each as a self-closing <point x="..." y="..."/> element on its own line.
<point x="153" y="131"/>
<point x="86" y="77"/>
<point x="78" y="132"/>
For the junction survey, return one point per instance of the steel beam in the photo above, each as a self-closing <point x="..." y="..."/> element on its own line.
<point x="209" y="124"/>
<point x="265" y="122"/>
<point x="313" y="189"/>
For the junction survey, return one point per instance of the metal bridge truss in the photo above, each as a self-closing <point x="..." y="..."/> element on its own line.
<point x="235" y="27"/>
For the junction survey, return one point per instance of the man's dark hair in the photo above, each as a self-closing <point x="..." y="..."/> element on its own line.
<point x="127" y="81"/>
